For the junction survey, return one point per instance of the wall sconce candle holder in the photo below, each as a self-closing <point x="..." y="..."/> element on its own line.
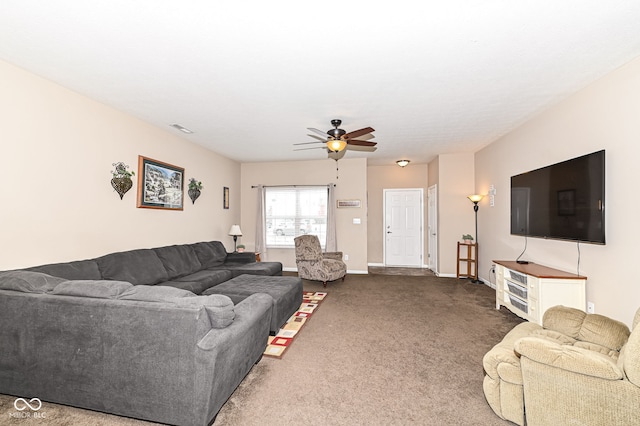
<point x="195" y="187"/>
<point x="121" y="180"/>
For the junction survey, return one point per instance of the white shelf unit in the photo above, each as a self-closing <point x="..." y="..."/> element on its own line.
<point x="528" y="290"/>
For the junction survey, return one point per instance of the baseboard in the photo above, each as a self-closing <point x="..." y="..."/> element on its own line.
<point x="349" y="271"/>
<point x="447" y="275"/>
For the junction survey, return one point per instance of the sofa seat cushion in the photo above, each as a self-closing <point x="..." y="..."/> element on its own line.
<point x="255" y="268"/>
<point x="286" y="293"/>
<point x="142" y="266"/>
<point x="28" y="281"/>
<point x="101" y="289"/>
<point x="76" y="270"/>
<point x="201" y="280"/>
<point x="178" y="260"/>
<point x="210" y="254"/>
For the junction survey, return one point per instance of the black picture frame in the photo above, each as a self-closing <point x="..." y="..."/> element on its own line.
<point x="225" y="198"/>
<point x="160" y="185"/>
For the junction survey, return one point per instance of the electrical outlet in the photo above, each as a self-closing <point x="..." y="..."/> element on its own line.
<point x="591" y="308"/>
<point x="346" y="257"/>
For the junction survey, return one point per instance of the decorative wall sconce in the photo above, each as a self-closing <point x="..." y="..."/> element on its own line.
<point x="194" y="189"/>
<point x="403" y="163"/>
<point x="121" y="180"/>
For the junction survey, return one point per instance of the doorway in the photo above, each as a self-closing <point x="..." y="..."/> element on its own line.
<point x="432" y="228"/>
<point x="403" y="219"/>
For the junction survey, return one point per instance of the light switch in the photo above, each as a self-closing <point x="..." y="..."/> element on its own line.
<point x="356" y="221"/>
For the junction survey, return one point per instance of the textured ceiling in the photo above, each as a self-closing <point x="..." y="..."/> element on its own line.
<point x="248" y="77"/>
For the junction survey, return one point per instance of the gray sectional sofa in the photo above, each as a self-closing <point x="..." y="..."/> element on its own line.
<point x="129" y="333"/>
<point x="194" y="267"/>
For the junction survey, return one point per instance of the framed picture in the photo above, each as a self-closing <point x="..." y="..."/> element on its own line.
<point x="567" y="202"/>
<point x="160" y="185"/>
<point x="225" y="197"/>
<point x="342" y="204"/>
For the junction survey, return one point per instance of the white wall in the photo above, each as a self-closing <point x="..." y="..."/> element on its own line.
<point x="601" y="116"/>
<point x="351" y="183"/>
<point x="455" y="211"/>
<point x="57" y="149"/>
<point x="380" y="178"/>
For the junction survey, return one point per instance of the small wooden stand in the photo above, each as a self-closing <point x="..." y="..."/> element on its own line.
<point x="469" y="255"/>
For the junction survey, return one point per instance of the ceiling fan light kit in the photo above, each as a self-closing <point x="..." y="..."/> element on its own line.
<point x="403" y="163"/>
<point x="336" y="145"/>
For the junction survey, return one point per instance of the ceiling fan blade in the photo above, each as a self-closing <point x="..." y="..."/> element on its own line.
<point x="357" y="133"/>
<point x="320" y="132"/>
<point x="361" y="148"/>
<point x="307" y="143"/>
<point x="361" y="143"/>
<point x="315" y="147"/>
<point x="366" y="137"/>
<point x="324" y="139"/>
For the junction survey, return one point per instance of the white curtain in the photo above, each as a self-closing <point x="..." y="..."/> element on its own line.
<point x="261" y="246"/>
<point x="332" y="240"/>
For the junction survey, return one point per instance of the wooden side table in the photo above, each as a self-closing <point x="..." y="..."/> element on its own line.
<point x="469" y="257"/>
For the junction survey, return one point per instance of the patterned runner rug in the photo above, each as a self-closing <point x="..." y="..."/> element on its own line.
<point x="278" y="344"/>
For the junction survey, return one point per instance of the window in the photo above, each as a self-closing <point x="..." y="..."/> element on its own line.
<point x="293" y="211"/>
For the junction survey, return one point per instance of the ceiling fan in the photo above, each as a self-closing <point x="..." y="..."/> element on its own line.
<point x="336" y="139"/>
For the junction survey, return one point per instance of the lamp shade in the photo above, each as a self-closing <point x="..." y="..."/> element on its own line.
<point x="336" y="145"/>
<point x="475" y="198"/>
<point x="402" y="163"/>
<point x="235" y="231"/>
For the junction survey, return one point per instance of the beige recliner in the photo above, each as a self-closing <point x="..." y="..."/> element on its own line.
<point x="506" y="385"/>
<point x="315" y="265"/>
<point x="583" y="384"/>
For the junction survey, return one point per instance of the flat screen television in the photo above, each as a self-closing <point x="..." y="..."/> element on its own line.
<point x="563" y="201"/>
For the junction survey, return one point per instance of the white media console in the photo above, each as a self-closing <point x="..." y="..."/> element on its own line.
<point x="528" y="290"/>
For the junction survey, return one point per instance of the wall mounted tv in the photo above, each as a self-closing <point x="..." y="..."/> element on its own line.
<point x="562" y="201"/>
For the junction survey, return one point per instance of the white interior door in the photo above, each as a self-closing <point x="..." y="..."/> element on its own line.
<point x="432" y="228"/>
<point x="403" y="227"/>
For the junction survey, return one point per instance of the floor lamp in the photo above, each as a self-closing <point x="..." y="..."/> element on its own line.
<point x="475" y="199"/>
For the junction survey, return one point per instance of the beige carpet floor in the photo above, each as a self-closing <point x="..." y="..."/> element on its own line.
<point x="381" y="350"/>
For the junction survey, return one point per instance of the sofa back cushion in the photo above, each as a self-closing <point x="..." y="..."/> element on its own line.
<point x="154" y="293"/>
<point x="592" y="328"/>
<point x="308" y="248"/>
<point x="179" y="260"/>
<point x="219" y="308"/>
<point x="141" y="266"/>
<point x="210" y="254"/>
<point x="28" y="281"/>
<point x="99" y="289"/>
<point x="76" y="270"/>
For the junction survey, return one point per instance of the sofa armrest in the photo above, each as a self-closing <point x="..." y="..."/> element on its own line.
<point x="252" y="316"/>
<point x="335" y="255"/>
<point x="573" y="359"/>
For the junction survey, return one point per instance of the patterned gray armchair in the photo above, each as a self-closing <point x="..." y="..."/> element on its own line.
<point x="315" y="265"/>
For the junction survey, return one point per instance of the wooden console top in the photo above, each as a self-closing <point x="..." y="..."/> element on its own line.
<point x="539" y="271"/>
